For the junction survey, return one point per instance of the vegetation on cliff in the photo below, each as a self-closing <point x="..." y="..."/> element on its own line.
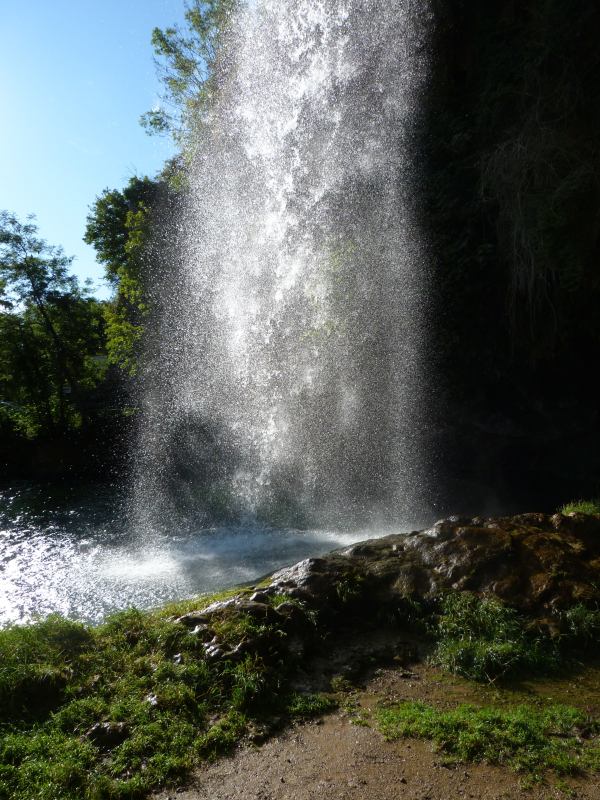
<point x="511" y="197"/>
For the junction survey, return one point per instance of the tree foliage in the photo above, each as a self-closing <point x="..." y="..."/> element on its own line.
<point x="119" y="227"/>
<point x="186" y="60"/>
<point x="514" y="171"/>
<point x="51" y="335"/>
<point x="122" y="223"/>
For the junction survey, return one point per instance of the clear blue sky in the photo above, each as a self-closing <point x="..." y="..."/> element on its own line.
<point x="75" y="76"/>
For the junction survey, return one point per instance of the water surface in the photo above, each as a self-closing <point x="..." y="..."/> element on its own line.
<point x="71" y="552"/>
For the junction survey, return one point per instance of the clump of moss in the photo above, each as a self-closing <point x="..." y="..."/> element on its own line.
<point x="524" y="738"/>
<point x="581" y="507"/>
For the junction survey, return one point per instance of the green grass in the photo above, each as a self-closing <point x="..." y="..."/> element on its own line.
<point x="581" y="507"/>
<point x="309" y="705"/>
<point x="150" y="677"/>
<point x="484" y="640"/>
<point x="524" y="738"/>
<point x="58" y="679"/>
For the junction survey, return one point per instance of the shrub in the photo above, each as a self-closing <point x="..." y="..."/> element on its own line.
<point x="482" y="639"/>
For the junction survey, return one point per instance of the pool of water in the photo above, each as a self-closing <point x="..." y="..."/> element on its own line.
<point x="70" y="552"/>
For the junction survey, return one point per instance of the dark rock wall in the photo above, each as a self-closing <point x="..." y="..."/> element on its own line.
<point x="511" y="205"/>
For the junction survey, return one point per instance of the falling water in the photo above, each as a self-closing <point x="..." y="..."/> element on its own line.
<point x="289" y="383"/>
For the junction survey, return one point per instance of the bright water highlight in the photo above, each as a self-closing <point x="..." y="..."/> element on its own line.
<point x="76" y="558"/>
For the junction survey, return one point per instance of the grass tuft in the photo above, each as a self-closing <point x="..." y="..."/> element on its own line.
<point x="484" y="640"/>
<point x="524" y="738"/>
<point x="304" y="706"/>
<point x="581" y="507"/>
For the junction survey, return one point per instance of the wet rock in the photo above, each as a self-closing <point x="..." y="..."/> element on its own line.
<point x="293" y="619"/>
<point x="214" y="650"/>
<point x="314" y="579"/>
<point x="261" y="596"/>
<point x="193" y="619"/>
<point x="203" y="632"/>
<point x="217" y="607"/>
<point x="537" y="562"/>
<point x="259" y="612"/>
<point x="107" y="735"/>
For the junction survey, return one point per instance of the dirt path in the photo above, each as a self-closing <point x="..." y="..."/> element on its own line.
<point x="336" y="759"/>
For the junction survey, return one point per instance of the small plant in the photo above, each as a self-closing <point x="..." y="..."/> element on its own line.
<point x="581" y="507"/>
<point x="524" y="738"/>
<point x="277" y="600"/>
<point x="580" y="627"/>
<point x="308" y="705"/>
<point x="339" y="683"/>
<point x="351" y="588"/>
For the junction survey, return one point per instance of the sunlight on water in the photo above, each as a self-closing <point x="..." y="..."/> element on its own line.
<point x="138" y="570"/>
<point x="80" y="563"/>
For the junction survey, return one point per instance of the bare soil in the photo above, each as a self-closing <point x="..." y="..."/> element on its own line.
<point x="340" y="757"/>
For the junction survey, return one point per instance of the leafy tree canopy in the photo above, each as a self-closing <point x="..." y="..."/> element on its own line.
<point x="119" y="227"/>
<point x="31" y="270"/>
<point x="51" y="335"/>
<point x="186" y="61"/>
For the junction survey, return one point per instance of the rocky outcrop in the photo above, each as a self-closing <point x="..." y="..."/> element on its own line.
<point x="536" y="563"/>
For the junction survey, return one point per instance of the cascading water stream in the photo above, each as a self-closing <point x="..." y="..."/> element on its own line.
<point x="286" y="385"/>
<point x="289" y="382"/>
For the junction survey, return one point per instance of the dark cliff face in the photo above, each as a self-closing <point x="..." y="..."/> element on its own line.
<point x="511" y="206"/>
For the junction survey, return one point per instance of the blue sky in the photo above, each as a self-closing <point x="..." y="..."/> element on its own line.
<point x="75" y="76"/>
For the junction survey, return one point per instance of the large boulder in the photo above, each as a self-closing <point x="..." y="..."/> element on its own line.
<point x="537" y="563"/>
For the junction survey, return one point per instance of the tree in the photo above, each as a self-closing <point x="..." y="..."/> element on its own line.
<point x="186" y="62"/>
<point x="122" y="224"/>
<point x="51" y="333"/>
<point x="119" y="227"/>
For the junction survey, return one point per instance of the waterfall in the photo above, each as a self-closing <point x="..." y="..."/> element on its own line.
<point x="290" y="379"/>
